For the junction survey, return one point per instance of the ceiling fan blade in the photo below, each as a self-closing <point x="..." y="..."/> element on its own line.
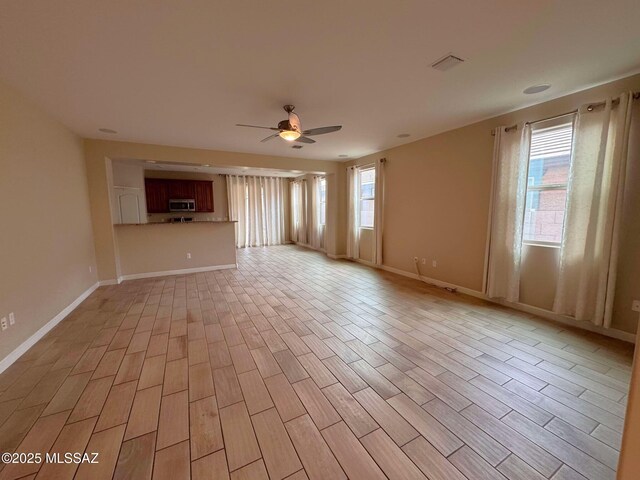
<point x="269" y="138"/>
<point x="305" y="140"/>
<point x="294" y="122"/>
<point x="322" y="130"/>
<point x="257" y="126"/>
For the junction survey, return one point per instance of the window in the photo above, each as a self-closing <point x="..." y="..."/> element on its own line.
<point x="367" y="197"/>
<point x="547" y="178"/>
<point x="322" y="201"/>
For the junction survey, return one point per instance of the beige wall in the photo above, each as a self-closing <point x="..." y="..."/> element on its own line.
<point x="46" y="246"/>
<point x="99" y="154"/>
<point x="628" y="278"/>
<point x="538" y="275"/>
<point x="437" y="205"/>
<point x="164" y="247"/>
<point x="220" y="208"/>
<point x="366" y="244"/>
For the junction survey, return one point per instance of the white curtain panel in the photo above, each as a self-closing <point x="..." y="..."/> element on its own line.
<point x="236" y="200"/>
<point x="295" y="210"/>
<point x="299" y="214"/>
<point x="255" y="225"/>
<point x="510" y="159"/>
<point x="353" y="221"/>
<point x="378" y="215"/>
<point x="257" y="205"/>
<point x="316" y="230"/>
<point x="587" y="271"/>
<point x="274" y="210"/>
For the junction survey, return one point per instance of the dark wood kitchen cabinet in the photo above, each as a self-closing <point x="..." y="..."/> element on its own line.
<point x="204" y="196"/>
<point x="157" y="192"/>
<point x="160" y="191"/>
<point x="181" y="189"/>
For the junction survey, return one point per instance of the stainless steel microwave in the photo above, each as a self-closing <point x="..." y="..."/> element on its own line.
<point x="182" y="205"/>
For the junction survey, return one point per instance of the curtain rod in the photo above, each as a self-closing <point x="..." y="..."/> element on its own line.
<point x="367" y="165"/>
<point x="247" y="176"/>
<point x="590" y="108"/>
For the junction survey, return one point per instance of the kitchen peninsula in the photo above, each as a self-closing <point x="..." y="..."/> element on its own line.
<point x="163" y="248"/>
<point x="169" y="222"/>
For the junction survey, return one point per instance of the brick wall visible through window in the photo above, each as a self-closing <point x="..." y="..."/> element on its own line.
<point x="548" y="175"/>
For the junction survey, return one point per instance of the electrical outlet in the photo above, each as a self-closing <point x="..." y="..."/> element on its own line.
<point x="188" y="255"/>
<point x="424" y="261"/>
<point x="635" y="306"/>
<point x="3" y="323"/>
<point x="90" y="269"/>
<point x="12" y="319"/>
<point x="434" y="264"/>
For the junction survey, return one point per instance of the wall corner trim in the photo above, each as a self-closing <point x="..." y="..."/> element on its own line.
<point x="21" y="349"/>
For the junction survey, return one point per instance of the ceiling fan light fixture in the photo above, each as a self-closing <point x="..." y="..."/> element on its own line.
<point x="289" y="135"/>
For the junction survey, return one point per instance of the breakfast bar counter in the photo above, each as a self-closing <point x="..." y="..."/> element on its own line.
<point x="165" y="248"/>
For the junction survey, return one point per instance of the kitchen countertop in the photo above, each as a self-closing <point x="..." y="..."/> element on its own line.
<point x="173" y="223"/>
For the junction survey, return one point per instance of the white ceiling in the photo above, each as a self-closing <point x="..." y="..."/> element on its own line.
<point x="184" y="72"/>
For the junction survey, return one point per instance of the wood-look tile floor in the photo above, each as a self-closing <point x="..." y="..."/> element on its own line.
<point x="298" y="366"/>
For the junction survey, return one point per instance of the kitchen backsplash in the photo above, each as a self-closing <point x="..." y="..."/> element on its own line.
<point x="197" y="216"/>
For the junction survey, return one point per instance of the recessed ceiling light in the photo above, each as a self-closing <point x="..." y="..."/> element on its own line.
<point x="150" y="161"/>
<point x="343" y="155"/>
<point x="206" y="165"/>
<point x="404" y="135"/>
<point x="536" y="89"/>
<point x="107" y="130"/>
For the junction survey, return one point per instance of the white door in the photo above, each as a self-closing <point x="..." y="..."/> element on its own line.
<point x="129" y="208"/>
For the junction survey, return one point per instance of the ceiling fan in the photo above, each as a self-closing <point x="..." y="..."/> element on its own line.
<point x="291" y="131"/>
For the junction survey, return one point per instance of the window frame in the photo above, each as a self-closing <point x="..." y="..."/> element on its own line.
<point x="545" y="124"/>
<point x="361" y="198"/>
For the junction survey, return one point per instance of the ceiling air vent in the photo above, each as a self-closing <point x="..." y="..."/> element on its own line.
<point x="297" y="147"/>
<point x="447" y="63"/>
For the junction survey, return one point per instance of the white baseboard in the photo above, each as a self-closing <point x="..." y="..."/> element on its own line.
<point x="435" y="282"/>
<point x="310" y="247"/>
<point x="541" y="312"/>
<point x="7" y="361"/>
<point x="549" y="315"/>
<point x="104" y="283"/>
<point x="184" y="271"/>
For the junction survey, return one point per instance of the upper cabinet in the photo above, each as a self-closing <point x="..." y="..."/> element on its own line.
<point x="160" y="191"/>
<point x="157" y="191"/>
<point x="204" y="196"/>
<point x="181" y="189"/>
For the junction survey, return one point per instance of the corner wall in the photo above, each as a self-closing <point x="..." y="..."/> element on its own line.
<point x="46" y="246"/>
<point x="437" y="206"/>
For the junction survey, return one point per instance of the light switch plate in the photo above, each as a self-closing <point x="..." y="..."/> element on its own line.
<point x="635" y="306"/>
<point x="3" y="323"/>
